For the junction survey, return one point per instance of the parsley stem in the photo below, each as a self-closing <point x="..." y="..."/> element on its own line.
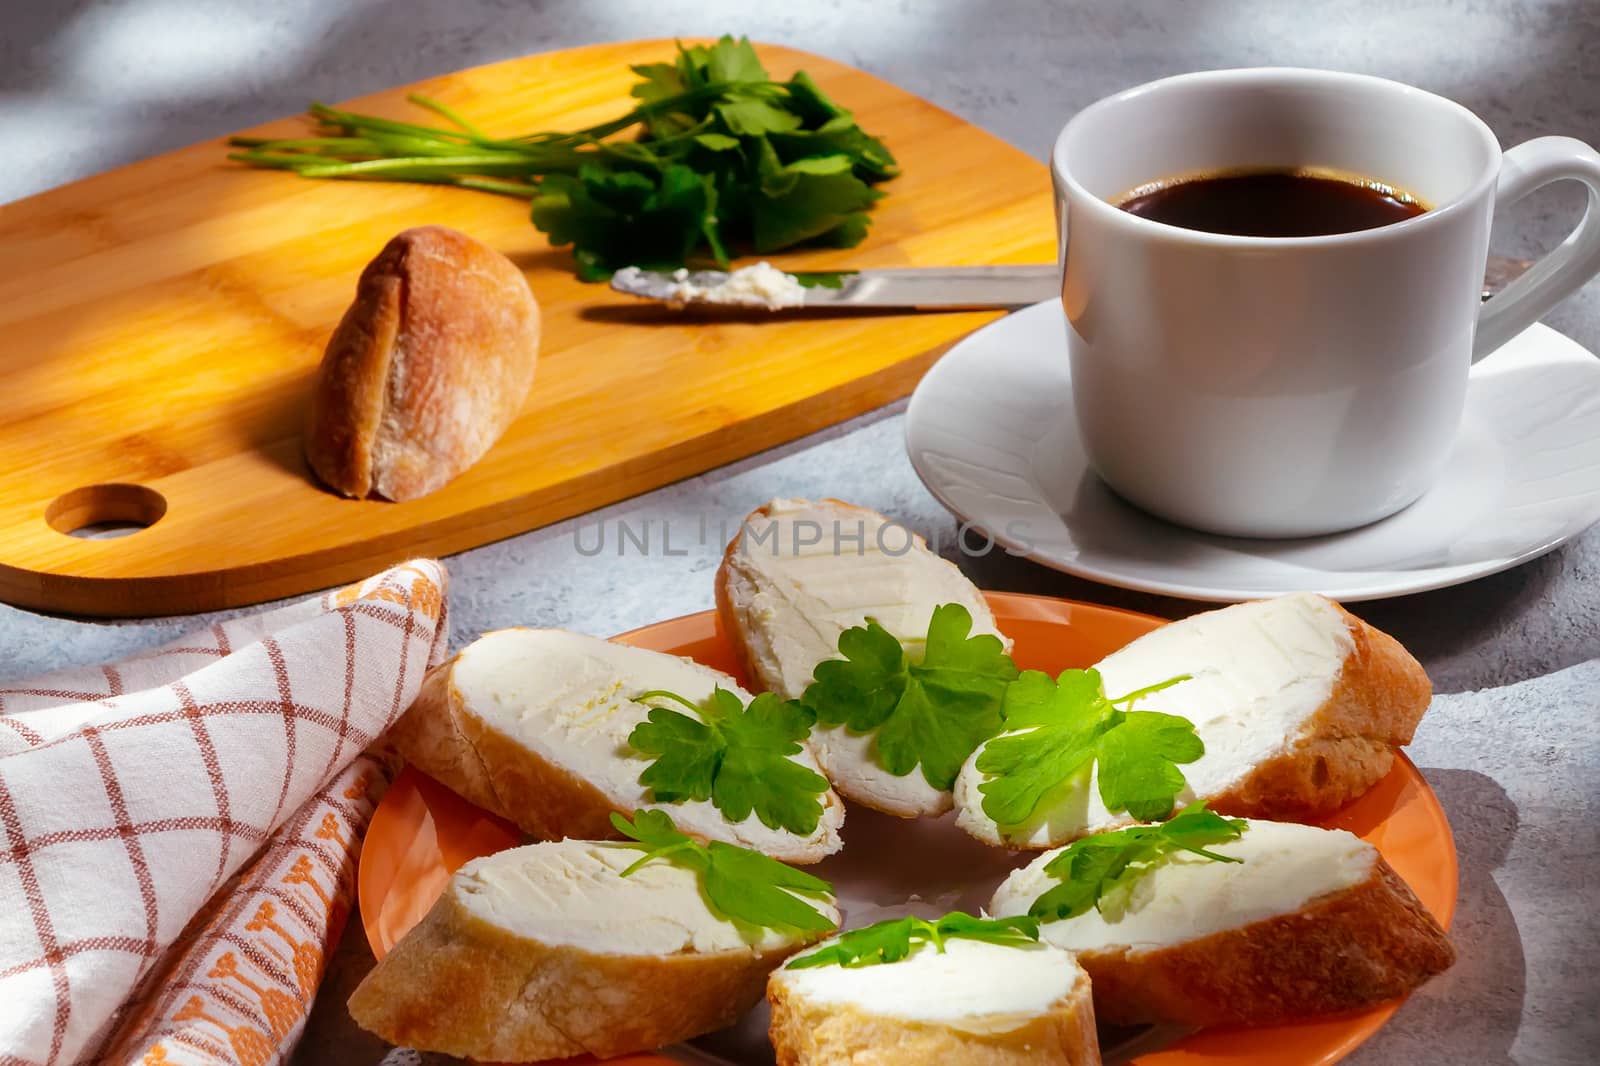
<point x="663" y="694"/>
<point x="329" y="116"/>
<point x="275" y="160"/>
<point x="351" y="144"/>
<point x="1139" y="694"/>
<point x="521" y="190"/>
<point x="478" y="163"/>
<point x="526" y="190"/>
<point x="449" y="113"/>
<point x="662" y="853"/>
<point x="1212" y="855"/>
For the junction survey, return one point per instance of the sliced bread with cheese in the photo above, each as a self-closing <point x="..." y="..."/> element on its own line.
<point x="533" y="724"/>
<point x="1310" y="922"/>
<point x="547" y="951"/>
<point x="1299" y="704"/>
<point x="798" y="574"/>
<point x="974" y="1004"/>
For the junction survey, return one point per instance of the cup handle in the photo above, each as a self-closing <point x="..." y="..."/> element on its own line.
<point x="1529" y="166"/>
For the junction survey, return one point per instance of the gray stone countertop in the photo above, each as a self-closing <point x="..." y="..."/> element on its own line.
<point x="88" y="86"/>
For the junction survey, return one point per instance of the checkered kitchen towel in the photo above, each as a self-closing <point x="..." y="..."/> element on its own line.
<point x="178" y="832"/>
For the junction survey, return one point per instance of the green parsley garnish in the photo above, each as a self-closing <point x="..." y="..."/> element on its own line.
<point x="1057" y="730"/>
<point x="823" y="279"/>
<point x="895" y="939"/>
<point x="740" y="885"/>
<point x="1092" y="869"/>
<point x="724" y="155"/>
<point x="735" y="756"/>
<point x="931" y="712"/>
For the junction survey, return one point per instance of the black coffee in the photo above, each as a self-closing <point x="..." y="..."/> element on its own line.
<point x="1273" y="203"/>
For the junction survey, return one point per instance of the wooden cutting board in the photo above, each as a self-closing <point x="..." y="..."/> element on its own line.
<point x="161" y="324"/>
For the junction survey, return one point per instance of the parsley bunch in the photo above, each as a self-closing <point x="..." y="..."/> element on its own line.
<point x="735" y="756"/>
<point x="724" y="156"/>
<point x="1057" y="730"/>
<point x="895" y="939"/>
<point x="740" y="885"/>
<point x="1096" y="867"/>
<point x="930" y="712"/>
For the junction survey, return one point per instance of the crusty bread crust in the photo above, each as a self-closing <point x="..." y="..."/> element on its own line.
<point x="426" y="369"/>
<point x="461" y="985"/>
<point x="444" y="739"/>
<point x="730" y="618"/>
<point x="1347" y="745"/>
<point x="1348" y="950"/>
<point x="730" y="623"/>
<point x="806" y="1033"/>
<point x="347" y="402"/>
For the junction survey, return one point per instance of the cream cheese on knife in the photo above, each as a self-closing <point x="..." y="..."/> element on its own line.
<point x="760" y="285"/>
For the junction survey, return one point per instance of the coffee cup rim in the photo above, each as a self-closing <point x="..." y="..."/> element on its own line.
<point x="1437" y="215"/>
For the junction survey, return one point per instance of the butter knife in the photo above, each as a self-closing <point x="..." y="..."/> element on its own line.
<point x="932" y="288"/>
<point x="893" y="287"/>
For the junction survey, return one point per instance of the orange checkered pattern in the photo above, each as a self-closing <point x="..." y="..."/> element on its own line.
<point x="178" y="832"/>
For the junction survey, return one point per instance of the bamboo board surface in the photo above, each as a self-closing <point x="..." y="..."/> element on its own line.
<point x="162" y="322"/>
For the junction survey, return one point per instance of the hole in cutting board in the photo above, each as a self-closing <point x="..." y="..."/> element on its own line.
<point x="100" y="512"/>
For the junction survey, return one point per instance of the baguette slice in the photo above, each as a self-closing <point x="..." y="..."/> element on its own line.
<point x="427" y="368"/>
<point x="797" y="575"/>
<point x="977" y="1004"/>
<point x="1312" y="922"/>
<point x="546" y="951"/>
<point x="533" y="725"/>
<point x="1300" y="705"/>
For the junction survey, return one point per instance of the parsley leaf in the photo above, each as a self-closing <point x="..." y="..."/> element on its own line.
<point x="735" y="756"/>
<point x="895" y="939"/>
<point x="805" y="199"/>
<point x="1055" y="731"/>
<point x="932" y="712"/>
<point x="823" y="279"/>
<point x="740" y="885"/>
<point x="653" y="219"/>
<point x="828" y="130"/>
<point x="1099" y="867"/>
<point x="1138" y="762"/>
<point x="747" y="117"/>
<point x="730" y="60"/>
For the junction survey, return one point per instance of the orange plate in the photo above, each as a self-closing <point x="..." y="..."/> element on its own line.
<point x="422" y="831"/>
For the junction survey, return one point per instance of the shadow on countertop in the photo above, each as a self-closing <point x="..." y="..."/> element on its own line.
<point x="1471" y="1012"/>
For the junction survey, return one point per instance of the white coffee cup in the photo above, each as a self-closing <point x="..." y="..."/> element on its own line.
<point x="1290" y="386"/>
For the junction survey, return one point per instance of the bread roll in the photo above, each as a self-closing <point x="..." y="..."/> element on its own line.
<point x="546" y="951"/>
<point x="1298" y="702"/>
<point x="533" y="725"/>
<point x="427" y="368"/>
<point x="1311" y="922"/>
<point x="976" y="1004"/>
<point x="799" y="574"/>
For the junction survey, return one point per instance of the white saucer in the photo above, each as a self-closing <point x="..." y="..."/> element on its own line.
<point x="991" y="432"/>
